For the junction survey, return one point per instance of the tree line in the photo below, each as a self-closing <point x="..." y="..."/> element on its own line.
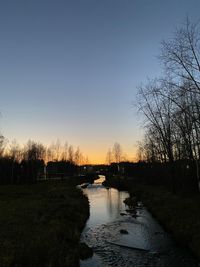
<point x="115" y="154"/>
<point x="171" y="107"/>
<point x="19" y="164"/>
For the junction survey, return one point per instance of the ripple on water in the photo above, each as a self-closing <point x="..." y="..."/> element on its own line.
<point x="109" y="215"/>
<point x="111" y="247"/>
<point x="105" y="239"/>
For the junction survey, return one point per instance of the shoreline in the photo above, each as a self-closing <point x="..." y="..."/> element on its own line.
<point x="178" y="214"/>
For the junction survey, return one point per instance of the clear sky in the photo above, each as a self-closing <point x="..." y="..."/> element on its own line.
<point x="70" y="69"/>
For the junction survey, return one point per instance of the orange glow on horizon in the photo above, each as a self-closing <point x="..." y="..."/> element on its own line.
<point x="100" y="157"/>
<point x="96" y="153"/>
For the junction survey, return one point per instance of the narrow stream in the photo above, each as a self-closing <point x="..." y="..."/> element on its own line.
<point x="120" y="237"/>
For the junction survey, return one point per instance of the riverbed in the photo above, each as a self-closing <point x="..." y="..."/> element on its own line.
<point x="126" y="237"/>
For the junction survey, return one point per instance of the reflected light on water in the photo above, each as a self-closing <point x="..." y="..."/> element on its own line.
<point x="145" y="244"/>
<point x="105" y="204"/>
<point x="100" y="180"/>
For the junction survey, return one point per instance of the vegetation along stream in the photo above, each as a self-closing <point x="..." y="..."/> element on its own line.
<point x="121" y="236"/>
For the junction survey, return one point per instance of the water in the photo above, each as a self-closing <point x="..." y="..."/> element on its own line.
<point x="120" y="237"/>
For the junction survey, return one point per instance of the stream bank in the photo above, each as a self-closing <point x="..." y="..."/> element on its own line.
<point x="124" y="236"/>
<point x="178" y="214"/>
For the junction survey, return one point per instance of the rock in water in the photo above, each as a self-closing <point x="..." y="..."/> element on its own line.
<point x="123" y="231"/>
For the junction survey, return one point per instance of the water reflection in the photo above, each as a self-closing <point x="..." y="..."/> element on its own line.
<point x="105" y="204"/>
<point x="115" y="202"/>
<point x="108" y="216"/>
<point x="100" y="180"/>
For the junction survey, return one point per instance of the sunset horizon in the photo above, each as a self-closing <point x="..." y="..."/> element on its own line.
<point x="99" y="133"/>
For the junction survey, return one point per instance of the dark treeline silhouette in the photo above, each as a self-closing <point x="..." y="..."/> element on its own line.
<point x="171" y="106"/>
<point x="20" y="172"/>
<point x="60" y="169"/>
<point x="125" y="175"/>
<point x="35" y="161"/>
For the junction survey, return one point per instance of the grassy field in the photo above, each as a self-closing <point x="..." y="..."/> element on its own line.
<point x="40" y="224"/>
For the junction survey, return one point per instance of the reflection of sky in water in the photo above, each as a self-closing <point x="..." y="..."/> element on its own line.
<point x="103" y="234"/>
<point x="105" y="204"/>
<point x="100" y="180"/>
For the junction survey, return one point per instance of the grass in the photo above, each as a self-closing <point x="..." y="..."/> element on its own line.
<point x="40" y="224"/>
<point x="179" y="214"/>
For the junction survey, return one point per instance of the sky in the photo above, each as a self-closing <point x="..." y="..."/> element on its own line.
<point x="70" y="70"/>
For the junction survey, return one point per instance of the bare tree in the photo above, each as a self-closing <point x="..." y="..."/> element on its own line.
<point x="15" y="152"/>
<point x="34" y="151"/>
<point x="77" y="156"/>
<point x="57" y="150"/>
<point x="71" y="154"/>
<point x="181" y="55"/>
<point x="117" y="152"/>
<point x="2" y="145"/>
<point x="171" y="105"/>
<point x="109" y="157"/>
<point x="158" y="113"/>
<point x="64" y="155"/>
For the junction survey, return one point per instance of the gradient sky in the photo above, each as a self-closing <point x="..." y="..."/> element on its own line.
<point x="70" y="69"/>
